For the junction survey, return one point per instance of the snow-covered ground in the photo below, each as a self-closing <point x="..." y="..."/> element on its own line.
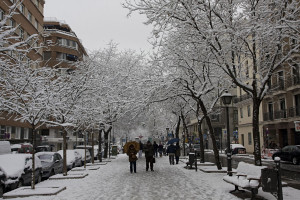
<point x="114" y="181"/>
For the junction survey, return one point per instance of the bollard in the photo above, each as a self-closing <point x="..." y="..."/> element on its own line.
<point x="196" y="161"/>
<point x="278" y="168"/>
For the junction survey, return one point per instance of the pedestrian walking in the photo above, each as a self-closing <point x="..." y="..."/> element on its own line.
<point x="131" y="152"/>
<point x="177" y="153"/>
<point x="171" y="150"/>
<point x="155" y="148"/>
<point x="149" y="153"/>
<point x="160" y="149"/>
<point x="141" y="149"/>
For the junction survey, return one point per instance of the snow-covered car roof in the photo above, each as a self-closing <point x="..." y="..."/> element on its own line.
<point x="13" y="146"/>
<point x="70" y="155"/>
<point x="13" y="165"/>
<point x="233" y="146"/>
<point x="81" y="151"/>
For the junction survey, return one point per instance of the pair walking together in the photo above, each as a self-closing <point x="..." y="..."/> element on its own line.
<point x="149" y="154"/>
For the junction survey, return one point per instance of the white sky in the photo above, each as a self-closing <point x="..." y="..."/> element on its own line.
<point x="96" y="22"/>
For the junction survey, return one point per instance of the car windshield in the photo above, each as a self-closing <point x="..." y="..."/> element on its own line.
<point x="46" y="157"/>
<point x="197" y="146"/>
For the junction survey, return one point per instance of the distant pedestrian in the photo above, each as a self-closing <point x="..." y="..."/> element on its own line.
<point x="177" y="153"/>
<point x="155" y="148"/>
<point x="171" y="152"/>
<point x="131" y="152"/>
<point x="149" y="153"/>
<point x="141" y="149"/>
<point x="160" y="149"/>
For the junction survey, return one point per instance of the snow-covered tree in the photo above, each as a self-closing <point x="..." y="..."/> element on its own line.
<point x="235" y="32"/>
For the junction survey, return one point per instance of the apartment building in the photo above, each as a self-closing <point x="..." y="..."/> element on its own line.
<point x="28" y="21"/>
<point x="281" y="106"/>
<point x="62" y="51"/>
<point x="64" y="48"/>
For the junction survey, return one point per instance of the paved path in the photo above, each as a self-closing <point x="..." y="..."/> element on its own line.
<point x="115" y="182"/>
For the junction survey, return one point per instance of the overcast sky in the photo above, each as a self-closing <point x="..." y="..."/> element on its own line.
<point x="96" y="22"/>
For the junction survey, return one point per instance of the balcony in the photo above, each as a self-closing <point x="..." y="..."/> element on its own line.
<point x="281" y="114"/>
<point x="284" y="85"/>
<point x="241" y="98"/>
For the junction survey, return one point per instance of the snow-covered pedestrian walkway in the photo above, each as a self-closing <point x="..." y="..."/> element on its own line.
<point x="114" y="181"/>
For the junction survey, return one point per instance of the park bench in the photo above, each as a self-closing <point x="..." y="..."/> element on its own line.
<point x="191" y="161"/>
<point x="247" y="176"/>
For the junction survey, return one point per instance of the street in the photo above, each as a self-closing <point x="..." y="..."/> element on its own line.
<point x="114" y="181"/>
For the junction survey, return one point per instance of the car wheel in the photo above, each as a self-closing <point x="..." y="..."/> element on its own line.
<point x="52" y="173"/>
<point x="1" y="190"/>
<point x="20" y="183"/>
<point x="295" y="161"/>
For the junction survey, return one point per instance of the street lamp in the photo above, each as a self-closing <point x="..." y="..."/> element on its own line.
<point x="226" y="98"/>
<point x="101" y="128"/>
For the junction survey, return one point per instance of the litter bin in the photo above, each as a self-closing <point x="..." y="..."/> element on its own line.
<point x="114" y="150"/>
<point x="269" y="180"/>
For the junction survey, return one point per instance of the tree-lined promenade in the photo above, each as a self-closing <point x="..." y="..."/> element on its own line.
<point x="203" y="49"/>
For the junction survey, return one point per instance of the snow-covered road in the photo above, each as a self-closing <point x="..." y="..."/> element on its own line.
<point x="115" y="182"/>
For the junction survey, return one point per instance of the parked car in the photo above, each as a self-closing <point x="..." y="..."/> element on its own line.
<point x="52" y="163"/>
<point x="22" y="148"/>
<point x="2" y="186"/>
<point x="43" y="148"/>
<point x="196" y="149"/>
<point x="17" y="169"/>
<point x="237" y="149"/>
<point x="82" y="153"/>
<point x="290" y="153"/>
<point x="73" y="158"/>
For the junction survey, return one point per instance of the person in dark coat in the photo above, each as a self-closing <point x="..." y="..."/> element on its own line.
<point x="155" y="148"/>
<point x="177" y="153"/>
<point x="149" y="153"/>
<point x="160" y="149"/>
<point x="171" y="150"/>
<point x="141" y="149"/>
<point x="131" y="152"/>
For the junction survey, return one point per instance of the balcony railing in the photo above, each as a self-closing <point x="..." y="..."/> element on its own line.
<point x="241" y="98"/>
<point x="284" y="84"/>
<point x="281" y="114"/>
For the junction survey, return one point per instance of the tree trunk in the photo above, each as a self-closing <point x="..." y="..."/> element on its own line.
<point x="256" y="135"/>
<point x="185" y="130"/>
<point x="212" y="134"/>
<point x="65" y="152"/>
<point x="177" y="127"/>
<point x="33" y="157"/>
<point x="106" y="133"/>
<point x="202" y="160"/>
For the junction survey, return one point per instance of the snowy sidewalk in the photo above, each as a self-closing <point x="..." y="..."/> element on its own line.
<point x="114" y="181"/>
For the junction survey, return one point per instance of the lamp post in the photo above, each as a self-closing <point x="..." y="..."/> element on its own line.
<point x="101" y="128"/>
<point x="226" y="98"/>
<point x="183" y="138"/>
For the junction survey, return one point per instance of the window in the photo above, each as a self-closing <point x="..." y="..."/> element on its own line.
<point x="282" y="108"/>
<point x="29" y="16"/>
<point x="47" y="55"/>
<point x="249" y="138"/>
<point x="280" y="80"/>
<point x="1" y="14"/>
<point x="270" y="109"/>
<point x="235" y="116"/>
<point x="241" y="112"/>
<point x="8" y="132"/>
<point x="18" y="133"/>
<point x="249" y="110"/>
<point x="21" y="8"/>
<point x="296" y="74"/>
<point x="26" y="133"/>
<point x="247" y="69"/>
<point x="297" y="104"/>
<point x="21" y="33"/>
<point x="2" y="132"/>
<point x="12" y="23"/>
